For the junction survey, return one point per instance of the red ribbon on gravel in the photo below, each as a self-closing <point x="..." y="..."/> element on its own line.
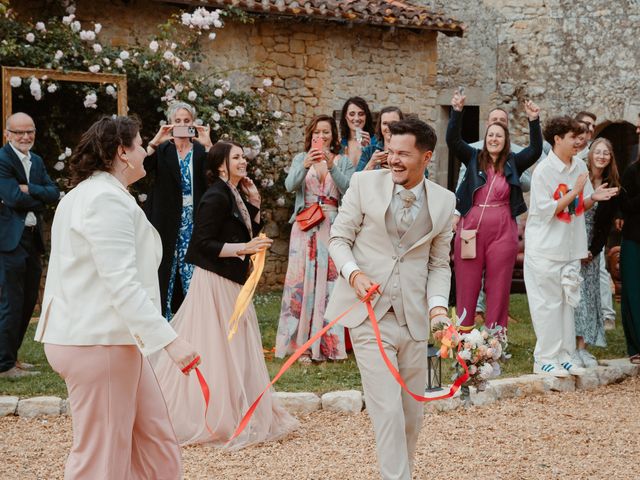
<point x="204" y="386"/>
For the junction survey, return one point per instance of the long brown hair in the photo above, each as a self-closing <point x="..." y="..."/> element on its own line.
<point x="484" y="159"/>
<point x="308" y="132"/>
<point x="610" y="173"/>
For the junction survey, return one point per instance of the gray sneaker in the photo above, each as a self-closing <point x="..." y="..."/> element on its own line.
<point x="588" y="359"/>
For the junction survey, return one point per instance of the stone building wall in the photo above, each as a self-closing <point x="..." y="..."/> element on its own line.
<point x="565" y="55"/>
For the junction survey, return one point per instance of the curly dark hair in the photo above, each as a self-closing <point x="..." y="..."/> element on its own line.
<point x="560" y="126"/>
<point x="98" y="146"/>
<point x="368" y="122"/>
<point x="424" y="133"/>
<point x="218" y="154"/>
<point x="308" y="132"/>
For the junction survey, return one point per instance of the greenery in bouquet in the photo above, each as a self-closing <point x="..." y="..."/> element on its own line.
<point x="167" y="67"/>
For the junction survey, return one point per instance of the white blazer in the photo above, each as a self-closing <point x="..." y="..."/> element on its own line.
<point x="102" y="280"/>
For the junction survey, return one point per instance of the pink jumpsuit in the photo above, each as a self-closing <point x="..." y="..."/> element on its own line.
<point x="496" y="251"/>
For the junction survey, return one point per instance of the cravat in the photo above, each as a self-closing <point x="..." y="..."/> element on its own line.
<point x="405" y="219"/>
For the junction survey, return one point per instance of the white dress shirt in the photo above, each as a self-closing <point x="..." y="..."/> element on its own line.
<point x="546" y="235"/>
<point x="30" y="219"/>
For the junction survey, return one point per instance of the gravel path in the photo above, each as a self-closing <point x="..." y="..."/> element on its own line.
<point x="580" y="435"/>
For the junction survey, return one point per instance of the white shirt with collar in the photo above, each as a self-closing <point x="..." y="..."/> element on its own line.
<point x="30" y="219"/>
<point x="546" y="235"/>
<point x="396" y="205"/>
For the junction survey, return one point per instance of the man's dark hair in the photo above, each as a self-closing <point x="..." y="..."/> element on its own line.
<point x="426" y="137"/>
<point x="580" y="116"/>
<point x="561" y="126"/>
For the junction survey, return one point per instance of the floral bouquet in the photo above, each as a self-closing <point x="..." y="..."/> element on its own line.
<point x="482" y="349"/>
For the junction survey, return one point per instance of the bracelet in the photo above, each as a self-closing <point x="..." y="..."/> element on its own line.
<point x="438" y="314"/>
<point x="352" y="279"/>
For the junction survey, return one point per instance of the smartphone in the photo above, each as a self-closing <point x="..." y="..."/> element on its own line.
<point x="317" y="143"/>
<point x="461" y="90"/>
<point x="184" y="131"/>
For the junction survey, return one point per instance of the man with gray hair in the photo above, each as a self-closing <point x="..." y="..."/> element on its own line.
<point x="25" y="189"/>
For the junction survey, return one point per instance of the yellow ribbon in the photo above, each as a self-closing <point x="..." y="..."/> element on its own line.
<point x="247" y="290"/>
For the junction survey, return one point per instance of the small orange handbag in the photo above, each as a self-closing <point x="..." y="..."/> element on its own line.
<point x="310" y="217"/>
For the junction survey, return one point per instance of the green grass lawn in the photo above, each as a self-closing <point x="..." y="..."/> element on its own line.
<point x="317" y="378"/>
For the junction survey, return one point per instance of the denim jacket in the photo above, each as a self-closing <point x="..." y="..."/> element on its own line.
<point x="475" y="178"/>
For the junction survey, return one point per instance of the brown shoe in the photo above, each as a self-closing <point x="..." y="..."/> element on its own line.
<point x="25" y="365"/>
<point x="16" y="372"/>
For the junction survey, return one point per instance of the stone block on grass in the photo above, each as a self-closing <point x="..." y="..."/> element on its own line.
<point x="8" y="405"/>
<point x="301" y="403"/>
<point x="348" y="401"/>
<point x="610" y="374"/>
<point x="564" y="384"/>
<point x="588" y="381"/>
<point x="36" y="406"/>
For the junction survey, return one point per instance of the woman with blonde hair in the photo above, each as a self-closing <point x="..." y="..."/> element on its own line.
<point x="176" y="164"/>
<point x="590" y="328"/>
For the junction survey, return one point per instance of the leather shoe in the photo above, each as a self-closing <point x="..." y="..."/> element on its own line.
<point x="15" y="372"/>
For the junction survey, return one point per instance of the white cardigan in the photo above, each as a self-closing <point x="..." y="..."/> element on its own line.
<point x="102" y="280"/>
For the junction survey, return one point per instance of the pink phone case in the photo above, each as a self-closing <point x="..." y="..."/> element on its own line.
<point x="317" y="144"/>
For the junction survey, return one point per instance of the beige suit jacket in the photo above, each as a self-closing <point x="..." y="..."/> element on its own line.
<point x="359" y="234"/>
<point x="102" y="280"/>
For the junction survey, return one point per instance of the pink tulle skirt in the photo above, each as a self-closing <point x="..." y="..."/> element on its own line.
<point x="235" y="370"/>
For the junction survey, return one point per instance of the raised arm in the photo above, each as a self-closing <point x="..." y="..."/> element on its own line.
<point x="460" y="148"/>
<point x="297" y="173"/>
<point x="528" y="156"/>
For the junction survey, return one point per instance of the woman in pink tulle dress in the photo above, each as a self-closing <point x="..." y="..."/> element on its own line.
<point x="224" y="236"/>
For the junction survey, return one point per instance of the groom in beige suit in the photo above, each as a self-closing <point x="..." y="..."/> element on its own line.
<point x="394" y="228"/>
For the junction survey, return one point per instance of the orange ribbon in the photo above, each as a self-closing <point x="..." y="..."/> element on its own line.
<point x="396" y="375"/>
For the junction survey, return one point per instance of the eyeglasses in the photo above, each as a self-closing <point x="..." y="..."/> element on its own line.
<point x="21" y="133"/>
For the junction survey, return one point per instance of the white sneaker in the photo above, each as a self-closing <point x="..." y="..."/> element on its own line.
<point x="573" y="369"/>
<point x="587" y="358"/>
<point x="576" y="359"/>
<point x="551" y="369"/>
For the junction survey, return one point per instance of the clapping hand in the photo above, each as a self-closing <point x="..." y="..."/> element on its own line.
<point x="603" y="193"/>
<point x="532" y="110"/>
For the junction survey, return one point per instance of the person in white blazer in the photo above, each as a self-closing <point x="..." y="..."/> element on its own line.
<point x="101" y="314"/>
<point x="403" y="245"/>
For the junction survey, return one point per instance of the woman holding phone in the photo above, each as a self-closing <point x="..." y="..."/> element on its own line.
<point x="319" y="176"/>
<point x="356" y="128"/>
<point x="176" y="163"/>
<point x="374" y="156"/>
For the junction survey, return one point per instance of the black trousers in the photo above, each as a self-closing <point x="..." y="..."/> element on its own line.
<point x="20" y="272"/>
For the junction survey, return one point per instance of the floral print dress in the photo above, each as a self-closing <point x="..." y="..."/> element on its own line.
<point x="185" y="270"/>
<point x="310" y="277"/>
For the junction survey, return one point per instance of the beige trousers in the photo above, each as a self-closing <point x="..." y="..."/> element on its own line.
<point x="396" y="416"/>
<point x="121" y="427"/>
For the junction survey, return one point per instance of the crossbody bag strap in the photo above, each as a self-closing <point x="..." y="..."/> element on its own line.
<point x="486" y="201"/>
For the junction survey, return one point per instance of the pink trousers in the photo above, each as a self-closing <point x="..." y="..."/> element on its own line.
<point x="121" y="427"/>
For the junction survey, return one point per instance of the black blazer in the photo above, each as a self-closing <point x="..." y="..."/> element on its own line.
<point x="218" y="221"/>
<point x="164" y="200"/>
<point x="14" y="204"/>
